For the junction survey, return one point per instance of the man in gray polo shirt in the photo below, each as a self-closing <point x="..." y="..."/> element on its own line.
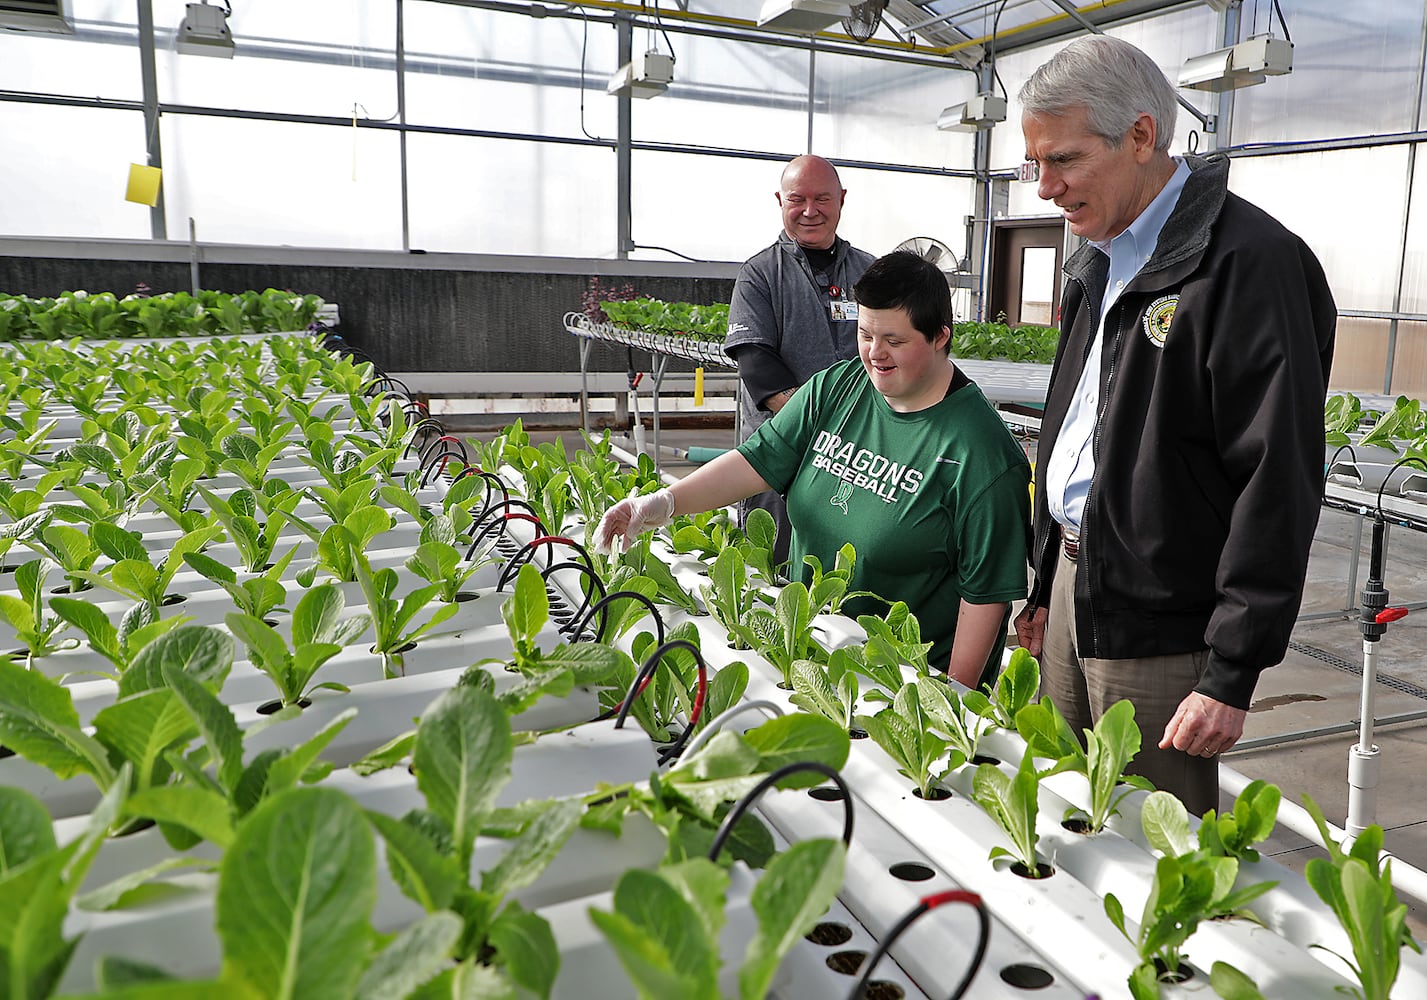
<point x="792" y="314"/>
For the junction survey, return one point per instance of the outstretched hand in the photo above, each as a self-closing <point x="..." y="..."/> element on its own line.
<point x="629" y="519"/>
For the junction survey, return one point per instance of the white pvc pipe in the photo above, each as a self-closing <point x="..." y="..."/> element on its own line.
<point x="1405" y="878"/>
<point x="1363" y="756"/>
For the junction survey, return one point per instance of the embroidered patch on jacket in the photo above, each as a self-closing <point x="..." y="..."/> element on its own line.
<point x="1158" y="317"/>
<point x="843" y="494"/>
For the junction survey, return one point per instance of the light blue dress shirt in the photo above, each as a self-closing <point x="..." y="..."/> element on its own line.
<point x="1071" y="465"/>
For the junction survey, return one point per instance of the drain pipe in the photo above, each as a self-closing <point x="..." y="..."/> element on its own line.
<point x="1405" y="878"/>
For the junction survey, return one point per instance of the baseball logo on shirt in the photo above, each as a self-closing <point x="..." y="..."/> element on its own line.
<point x="1158" y="317"/>
<point x="843" y="494"/>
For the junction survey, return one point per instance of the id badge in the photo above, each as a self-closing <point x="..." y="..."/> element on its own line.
<point x="843" y="309"/>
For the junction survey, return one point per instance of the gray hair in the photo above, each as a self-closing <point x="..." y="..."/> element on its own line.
<point x="1114" y="81"/>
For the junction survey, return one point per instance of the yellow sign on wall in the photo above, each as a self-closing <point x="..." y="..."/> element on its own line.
<point x="143" y="184"/>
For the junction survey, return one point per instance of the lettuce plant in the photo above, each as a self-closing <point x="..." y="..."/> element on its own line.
<point x="146" y="728"/>
<point x="259" y="595"/>
<point x="238" y="514"/>
<point x="904" y="733"/>
<point x="120" y="646"/>
<point x="319" y="632"/>
<point x="961" y="718"/>
<point x="35" y="629"/>
<point x="437" y="560"/>
<point x="340" y="544"/>
<point x="784" y="635"/>
<point x="70" y="548"/>
<point x="392" y="618"/>
<point x="1109" y="748"/>
<point x="1186" y="889"/>
<point x="1013" y="802"/>
<point x="38" y="879"/>
<point x="461" y="758"/>
<point x="1015" y="688"/>
<point x="1357" y="885"/>
<point x="134" y="574"/>
<point x="665" y="925"/>
<point x="728" y="595"/>
<point x="829" y="690"/>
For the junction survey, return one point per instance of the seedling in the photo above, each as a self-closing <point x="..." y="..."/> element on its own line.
<point x="1357" y="885"/>
<point x="961" y="718"/>
<point x="120" y="646"/>
<point x="254" y="539"/>
<point x="437" y="560"/>
<point x="1013" y="802"/>
<point x="728" y="594"/>
<point x="784" y="635"/>
<point x="319" y="632"/>
<point x="134" y="573"/>
<point x="902" y="730"/>
<point x="1185" y="890"/>
<point x="34" y="628"/>
<point x="665" y="925"/>
<point x="1109" y="748"/>
<point x="830" y="691"/>
<point x="392" y="618"/>
<point x="258" y="595"/>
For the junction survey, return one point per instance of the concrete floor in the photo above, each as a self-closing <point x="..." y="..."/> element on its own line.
<point x="1318" y="685"/>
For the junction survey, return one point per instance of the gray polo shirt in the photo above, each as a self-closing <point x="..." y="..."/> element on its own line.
<point x="779" y="304"/>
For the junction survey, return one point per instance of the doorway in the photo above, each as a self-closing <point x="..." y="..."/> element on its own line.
<point x="1025" y="271"/>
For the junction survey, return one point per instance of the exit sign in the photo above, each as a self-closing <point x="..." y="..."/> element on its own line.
<point x="1030" y="172"/>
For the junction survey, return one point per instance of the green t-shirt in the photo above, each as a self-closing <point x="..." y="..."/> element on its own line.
<point x="935" y="502"/>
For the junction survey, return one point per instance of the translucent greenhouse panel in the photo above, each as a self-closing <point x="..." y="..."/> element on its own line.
<point x="71" y="179"/>
<point x="1409" y="360"/>
<point x="100" y="58"/>
<point x="705" y="207"/>
<point x="886" y="112"/>
<point x="318" y="57"/>
<point x="1414" y="271"/>
<point x="891" y="207"/>
<point x="482" y="69"/>
<point x="246" y="181"/>
<point x="1361" y="265"/>
<point x="733" y="95"/>
<point x="1357" y="69"/>
<point x="501" y="196"/>
<point x="1360" y="354"/>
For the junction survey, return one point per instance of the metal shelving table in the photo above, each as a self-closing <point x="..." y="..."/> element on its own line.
<point x="660" y="347"/>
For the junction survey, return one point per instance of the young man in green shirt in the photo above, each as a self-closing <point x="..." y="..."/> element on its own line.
<point x="898" y="453"/>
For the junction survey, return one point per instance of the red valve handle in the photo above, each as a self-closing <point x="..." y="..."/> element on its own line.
<point x="1390" y="615"/>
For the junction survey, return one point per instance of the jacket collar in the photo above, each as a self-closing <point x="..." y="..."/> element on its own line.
<point x="1186" y="232"/>
<point x="792" y="246"/>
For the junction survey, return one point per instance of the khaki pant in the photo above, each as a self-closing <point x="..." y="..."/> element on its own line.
<point x="1083" y="688"/>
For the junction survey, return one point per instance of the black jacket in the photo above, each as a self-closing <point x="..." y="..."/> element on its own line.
<point x="1209" y="441"/>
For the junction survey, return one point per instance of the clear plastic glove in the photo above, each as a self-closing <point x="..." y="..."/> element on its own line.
<point x="630" y="518"/>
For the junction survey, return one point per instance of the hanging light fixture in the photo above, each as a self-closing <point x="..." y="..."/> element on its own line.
<point x="204" y="31"/>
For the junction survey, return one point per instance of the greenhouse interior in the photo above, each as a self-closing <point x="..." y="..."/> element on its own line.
<point x="393" y="387"/>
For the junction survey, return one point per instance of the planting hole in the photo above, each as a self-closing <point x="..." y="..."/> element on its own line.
<point x="826" y="793"/>
<point x="6" y="752"/>
<point x="1042" y="870"/>
<point x="882" y="989"/>
<point x="462" y="596"/>
<point x="135" y="826"/>
<point x="7" y="569"/>
<point x="171" y="599"/>
<point x="982" y="758"/>
<point x="67" y="589"/>
<point x="270" y="622"/>
<point x="19" y="653"/>
<point x="1183" y="974"/>
<point x="935" y="795"/>
<point x="830" y="934"/>
<point x="408" y="647"/>
<point x="846" y="962"/>
<point x="911" y="871"/>
<point x="1077" y="825"/>
<point x="857" y="734"/>
<point x="1026" y="977"/>
<point x="269" y="707"/>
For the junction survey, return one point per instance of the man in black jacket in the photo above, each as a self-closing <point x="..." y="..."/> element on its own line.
<point x="1180" y="457"/>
